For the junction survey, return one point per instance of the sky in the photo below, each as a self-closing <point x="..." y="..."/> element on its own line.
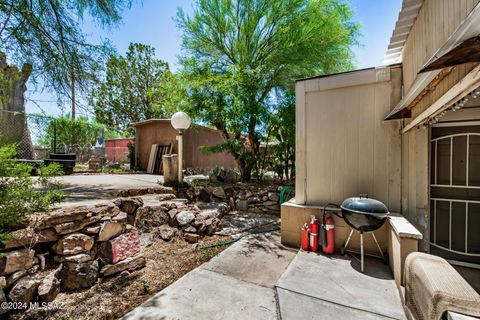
<point x="152" y="22"/>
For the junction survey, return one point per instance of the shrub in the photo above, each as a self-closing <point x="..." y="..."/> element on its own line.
<point x="21" y="194"/>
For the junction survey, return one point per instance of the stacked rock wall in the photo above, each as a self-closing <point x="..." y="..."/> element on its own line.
<point x="71" y="248"/>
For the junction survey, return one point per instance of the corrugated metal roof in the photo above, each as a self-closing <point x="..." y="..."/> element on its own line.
<point x="405" y="21"/>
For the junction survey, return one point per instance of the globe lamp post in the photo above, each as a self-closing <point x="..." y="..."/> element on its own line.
<point x="180" y="122"/>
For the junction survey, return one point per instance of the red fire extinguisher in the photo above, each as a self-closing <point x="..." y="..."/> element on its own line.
<point x="314" y="226"/>
<point x="329" y="247"/>
<point x="305" y="242"/>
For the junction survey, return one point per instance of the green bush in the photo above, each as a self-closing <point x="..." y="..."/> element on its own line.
<point x="21" y="194"/>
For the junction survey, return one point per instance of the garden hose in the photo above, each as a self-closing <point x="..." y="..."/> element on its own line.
<point x="286" y="192"/>
<point x="224" y="243"/>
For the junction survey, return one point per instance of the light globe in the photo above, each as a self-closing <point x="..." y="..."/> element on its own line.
<point x="180" y="121"/>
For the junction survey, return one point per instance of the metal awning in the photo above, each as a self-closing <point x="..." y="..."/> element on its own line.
<point x="460" y="42"/>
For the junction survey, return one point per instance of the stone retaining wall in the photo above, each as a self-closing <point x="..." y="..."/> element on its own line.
<point x="70" y="249"/>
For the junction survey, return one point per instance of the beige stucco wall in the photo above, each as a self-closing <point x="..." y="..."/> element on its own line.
<point x="344" y="148"/>
<point x="415" y="177"/>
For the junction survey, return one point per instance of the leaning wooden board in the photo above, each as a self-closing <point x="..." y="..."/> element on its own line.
<point x="151" y="159"/>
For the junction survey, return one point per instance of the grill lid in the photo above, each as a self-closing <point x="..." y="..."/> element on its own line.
<point x="364" y="205"/>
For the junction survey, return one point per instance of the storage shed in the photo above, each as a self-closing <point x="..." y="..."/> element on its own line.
<point x="160" y="131"/>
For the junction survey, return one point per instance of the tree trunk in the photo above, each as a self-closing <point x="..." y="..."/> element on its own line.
<point x="13" y="120"/>
<point x="245" y="170"/>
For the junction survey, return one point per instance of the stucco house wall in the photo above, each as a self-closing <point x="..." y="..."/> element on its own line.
<point x="344" y="148"/>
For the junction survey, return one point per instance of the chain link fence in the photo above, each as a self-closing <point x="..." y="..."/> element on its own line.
<point x="36" y="136"/>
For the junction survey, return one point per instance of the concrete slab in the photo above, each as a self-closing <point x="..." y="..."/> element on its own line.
<point x="81" y="188"/>
<point x="236" y="284"/>
<point x="337" y="280"/>
<point x="90" y="188"/>
<point x="259" y="260"/>
<point x="299" y="306"/>
<point x="204" y="294"/>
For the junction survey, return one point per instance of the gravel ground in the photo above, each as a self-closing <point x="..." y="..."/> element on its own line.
<point x="112" y="297"/>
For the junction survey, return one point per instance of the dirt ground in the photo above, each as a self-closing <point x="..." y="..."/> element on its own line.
<point x="112" y="297"/>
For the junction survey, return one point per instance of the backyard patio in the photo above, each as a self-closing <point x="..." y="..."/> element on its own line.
<point x="258" y="278"/>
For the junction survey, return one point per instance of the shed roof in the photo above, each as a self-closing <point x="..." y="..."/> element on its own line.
<point x="194" y="125"/>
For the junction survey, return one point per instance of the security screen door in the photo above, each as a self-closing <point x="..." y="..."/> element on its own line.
<point x="455" y="193"/>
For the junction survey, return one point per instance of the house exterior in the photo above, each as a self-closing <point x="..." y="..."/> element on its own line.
<point x="160" y="131"/>
<point x="406" y="133"/>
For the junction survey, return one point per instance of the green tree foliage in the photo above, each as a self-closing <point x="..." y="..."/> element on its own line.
<point x="237" y="53"/>
<point x="46" y="35"/>
<point x="280" y="141"/>
<point x="69" y="132"/>
<point x="21" y="195"/>
<point x="136" y="87"/>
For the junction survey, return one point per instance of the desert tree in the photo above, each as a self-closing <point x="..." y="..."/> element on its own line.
<point x="235" y="53"/>
<point x="136" y="86"/>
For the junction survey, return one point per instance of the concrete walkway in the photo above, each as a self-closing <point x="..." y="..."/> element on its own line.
<point x="84" y="188"/>
<point x="257" y="278"/>
<point x="334" y="287"/>
<point x="236" y="284"/>
<point x="87" y="189"/>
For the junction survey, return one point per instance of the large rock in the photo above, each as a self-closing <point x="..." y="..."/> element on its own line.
<point x="191" y="237"/>
<point x="273" y="196"/>
<point x="14" y="277"/>
<point x="212" y="225"/>
<point x="69" y="227"/>
<point x="49" y="287"/>
<point x="189" y="229"/>
<point x="119" y="248"/>
<point x="129" y="206"/>
<point x="166" y="232"/>
<point x="150" y="217"/>
<point x="77" y="258"/>
<point x="26" y="237"/>
<point x="79" y="275"/>
<point x="166" y="197"/>
<point x="185" y="217"/>
<point x="172" y="213"/>
<point x="219" y="192"/>
<point x="131" y="263"/>
<point x="16" y="260"/>
<point x="241" y="204"/>
<point x="109" y="230"/>
<point x="73" y="243"/>
<point x="24" y="290"/>
<point x="214" y="210"/>
<point x="122" y="217"/>
<point x="92" y="230"/>
<point x="61" y="216"/>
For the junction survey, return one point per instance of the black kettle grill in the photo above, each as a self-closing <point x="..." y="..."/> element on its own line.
<point x="364" y="215"/>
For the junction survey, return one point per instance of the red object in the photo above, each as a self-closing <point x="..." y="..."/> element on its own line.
<point x="330" y="229"/>
<point x="116" y="150"/>
<point x="305" y="245"/>
<point x="314" y="227"/>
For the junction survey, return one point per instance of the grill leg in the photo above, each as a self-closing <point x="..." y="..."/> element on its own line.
<point x="361" y="251"/>
<point x="348" y="240"/>
<point x="378" y="246"/>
